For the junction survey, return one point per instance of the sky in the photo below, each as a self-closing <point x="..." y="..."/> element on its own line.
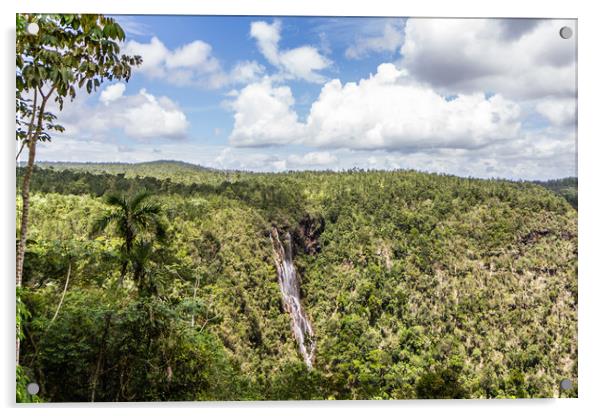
<point x="469" y="97"/>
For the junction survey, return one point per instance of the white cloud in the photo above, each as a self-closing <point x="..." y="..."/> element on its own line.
<point x="275" y="160"/>
<point x="303" y="62"/>
<point x="243" y="159"/>
<point x="389" y="40"/>
<point x="140" y="116"/>
<point x="112" y="92"/>
<point x="533" y="156"/>
<point x="320" y="159"/>
<point x="264" y="116"/>
<point x="543" y="155"/>
<point x="144" y="116"/>
<point x="196" y="54"/>
<point x="267" y="37"/>
<point x="153" y="56"/>
<point x="245" y="72"/>
<point x="434" y="111"/>
<point x="519" y="58"/>
<point x="385" y="111"/>
<point x="191" y="64"/>
<point x="560" y="112"/>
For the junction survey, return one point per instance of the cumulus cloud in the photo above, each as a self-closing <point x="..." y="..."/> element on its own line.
<point x="274" y="161"/>
<point x="235" y="159"/>
<point x="267" y="37"/>
<point x="461" y="99"/>
<point x="536" y="155"/>
<point x="520" y="59"/>
<point x="303" y="62"/>
<point x="389" y="40"/>
<point x="542" y="155"/>
<point x="112" y="93"/>
<point x="385" y="111"/>
<point x="144" y="116"/>
<point x="191" y="64"/>
<point x="560" y="112"/>
<point x="319" y="159"/>
<point x="196" y="54"/>
<point x="264" y="116"/>
<point x="153" y="56"/>
<point x="245" y="72"/>
<point x="140" y="116"/>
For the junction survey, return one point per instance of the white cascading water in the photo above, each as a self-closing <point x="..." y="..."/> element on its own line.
<point x="289" y="288"/>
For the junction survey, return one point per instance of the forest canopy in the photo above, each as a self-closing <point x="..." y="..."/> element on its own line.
<point x="417" y="285"/>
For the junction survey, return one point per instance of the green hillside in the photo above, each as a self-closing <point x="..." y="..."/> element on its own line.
<point x="417" y="286"/>
<point x="566" y="187"/>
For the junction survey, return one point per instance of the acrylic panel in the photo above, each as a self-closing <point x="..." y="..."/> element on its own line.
<point x="295" y="208"/>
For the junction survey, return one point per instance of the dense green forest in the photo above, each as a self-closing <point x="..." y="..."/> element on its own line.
<point x="417" y="285"/>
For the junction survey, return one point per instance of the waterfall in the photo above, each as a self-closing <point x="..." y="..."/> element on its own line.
<point x="289" y="288"/>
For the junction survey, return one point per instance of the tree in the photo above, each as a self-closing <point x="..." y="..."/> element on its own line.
<point x="68" y="52"/>
<point x="132" y="218"/>
<point x="441" y="384"/>
<point x="141" y="271"/>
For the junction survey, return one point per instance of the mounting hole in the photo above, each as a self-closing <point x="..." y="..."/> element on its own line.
<point x="566" y="384"/>
<point x="33" y="388"/>
<point x="33" y="28"/>
<point x="566" y="32"/>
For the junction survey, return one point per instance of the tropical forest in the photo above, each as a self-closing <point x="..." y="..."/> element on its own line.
<point x="160" y="281"/>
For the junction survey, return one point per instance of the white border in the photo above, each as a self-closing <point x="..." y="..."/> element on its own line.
<point x="590" y="175"/>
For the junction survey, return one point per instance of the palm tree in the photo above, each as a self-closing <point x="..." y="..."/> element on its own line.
<point x="132" y="217"/>
<point x="141" y="268"/>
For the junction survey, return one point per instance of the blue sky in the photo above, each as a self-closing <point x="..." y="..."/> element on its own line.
<point x="477" y="97"/>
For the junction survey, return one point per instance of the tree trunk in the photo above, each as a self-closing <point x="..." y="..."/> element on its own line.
<point x="32" y="139"/>
<point x="31" y="123"/>
<point x="21" y="149"/>
<point x="127" y="252"/>
<point x="24" y="221"/>
<point x="25" y="212"/>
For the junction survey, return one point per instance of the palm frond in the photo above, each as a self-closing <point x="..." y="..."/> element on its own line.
<point x="148" y="210"/>
<point x="116" y="201"/>
<point x="103" y="222"/>
<point x="138" y="199"/>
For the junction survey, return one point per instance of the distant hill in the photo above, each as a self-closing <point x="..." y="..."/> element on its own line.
<point x="176" y="171"/>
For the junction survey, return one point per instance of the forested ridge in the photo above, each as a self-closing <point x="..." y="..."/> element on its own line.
<point x="417" y="285"/>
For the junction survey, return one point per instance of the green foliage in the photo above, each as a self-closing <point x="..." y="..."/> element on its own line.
<point x="416" y="285"/>
<point x="148" y="355"/>
<point x="70" y="51"/>
<point x="138" y="223"/>
<point x="566" y="187"/>
<point x="441" y="384"/>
